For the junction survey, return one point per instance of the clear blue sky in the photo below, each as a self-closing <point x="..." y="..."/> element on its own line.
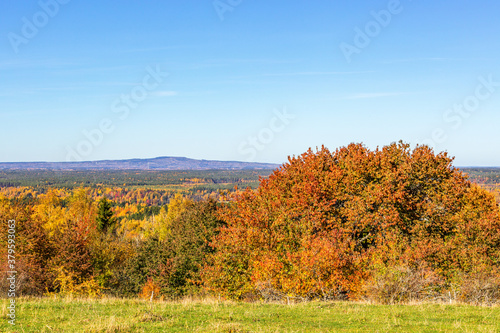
<point x="247" y="80"/>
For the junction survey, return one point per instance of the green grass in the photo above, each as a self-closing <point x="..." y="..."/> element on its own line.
<point x="115" y="315"/>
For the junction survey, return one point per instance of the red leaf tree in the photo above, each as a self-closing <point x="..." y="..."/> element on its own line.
<point x="321" y="223"/>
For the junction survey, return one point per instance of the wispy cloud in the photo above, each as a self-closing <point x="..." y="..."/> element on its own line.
<point x="37" y="63"/>
<point x="218" y="63"/>
<point x="432" y="59"/>
<point x="63" y="88"/>
<point x="165" y="93"/>
<point x="419" y="59"/>
<point x="97" y="69"/>
<point x="374" y="95"/>
<point x="298" y="74"/>
<point x="229" y="61"/>
<point x="316" y="73"/>
<point x="149" y="49"/>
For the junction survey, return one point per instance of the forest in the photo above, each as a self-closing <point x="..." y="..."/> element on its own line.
<point x="389" y="225"/>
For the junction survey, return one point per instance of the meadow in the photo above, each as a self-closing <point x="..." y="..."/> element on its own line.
<point x="212" y="315"/>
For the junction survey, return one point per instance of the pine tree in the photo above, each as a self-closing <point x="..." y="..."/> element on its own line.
<point x="104" y="215"/>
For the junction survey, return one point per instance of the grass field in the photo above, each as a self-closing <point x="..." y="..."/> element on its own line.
<point x="116" y="315"/>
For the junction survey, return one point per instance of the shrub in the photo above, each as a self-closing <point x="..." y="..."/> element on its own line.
<point x="150" y="290"/>
<point x="149" y="260"/>
<point x="402" y="284"/>
<point x="481" y="287"/>
<point x="68" y="283"/>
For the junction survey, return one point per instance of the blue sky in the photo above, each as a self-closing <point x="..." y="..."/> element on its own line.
<point x="247" y="80"/>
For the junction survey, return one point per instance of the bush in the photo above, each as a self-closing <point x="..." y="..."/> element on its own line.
<point x="69" y="284"/>
<point x="402" y="284"/>
<point x="479" y="287"/>
<point x="149" y="260"/>
<point x="150" y="291"/>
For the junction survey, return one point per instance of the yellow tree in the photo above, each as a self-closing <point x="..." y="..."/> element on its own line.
<point x="176" y="206"/>
<point x="49" y="210"/>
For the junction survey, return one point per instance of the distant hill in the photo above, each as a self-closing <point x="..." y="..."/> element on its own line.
<point x="158" y="163"/>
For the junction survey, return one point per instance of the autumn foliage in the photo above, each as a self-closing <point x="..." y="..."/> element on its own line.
<point x="328" y="224"/>
<point x="389" y="225"/>
<point x="58" y="245"/>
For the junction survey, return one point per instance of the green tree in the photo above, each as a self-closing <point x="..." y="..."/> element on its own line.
<point x="189" y="243"/>
<point x="104" y="215"/>
<point x="173" y="264"/>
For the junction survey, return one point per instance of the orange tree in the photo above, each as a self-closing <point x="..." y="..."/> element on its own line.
<point x="324" y="222"/>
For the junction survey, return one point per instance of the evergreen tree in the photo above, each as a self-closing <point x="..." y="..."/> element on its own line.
<point x="104" y="215"/>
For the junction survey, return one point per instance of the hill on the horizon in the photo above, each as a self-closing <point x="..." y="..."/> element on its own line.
<point x="158" y="163"/>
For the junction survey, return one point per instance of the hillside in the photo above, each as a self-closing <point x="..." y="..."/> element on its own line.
<point x="158" y="163"/>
